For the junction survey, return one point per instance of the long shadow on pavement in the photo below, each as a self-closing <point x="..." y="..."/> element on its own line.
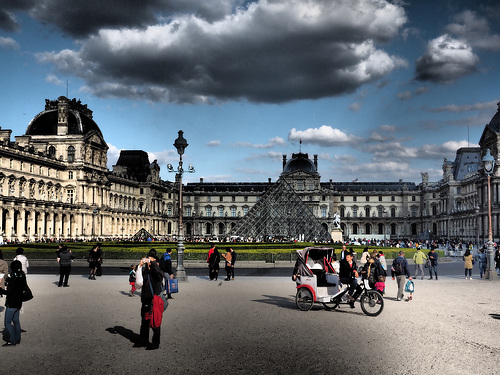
<point x="125" y="332"/>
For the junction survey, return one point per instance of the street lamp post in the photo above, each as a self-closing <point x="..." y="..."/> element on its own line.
<point x="180" y="144"/>
<point x="489" y="166"/>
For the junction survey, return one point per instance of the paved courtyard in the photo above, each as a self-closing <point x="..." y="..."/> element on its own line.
<point x="251" y="326"/>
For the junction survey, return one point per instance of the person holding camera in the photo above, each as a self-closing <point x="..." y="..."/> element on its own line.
<point x="152" y="280"/>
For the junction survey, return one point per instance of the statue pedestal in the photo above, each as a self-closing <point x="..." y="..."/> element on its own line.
<point x="337" y="235"/>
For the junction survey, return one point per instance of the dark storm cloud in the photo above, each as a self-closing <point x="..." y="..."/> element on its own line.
<point x="82" y="18"/>
<point x="8" y="8"/>
<point x="271" y="51"/>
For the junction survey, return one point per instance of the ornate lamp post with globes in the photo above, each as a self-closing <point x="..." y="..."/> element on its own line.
<point x="489" y="167"/>
<point x="180" y="144"/>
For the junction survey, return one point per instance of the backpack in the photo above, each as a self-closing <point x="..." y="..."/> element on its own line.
<point x="398" y="267"/>
<point x="409" y="287"/>
<point x="163" y="260"/>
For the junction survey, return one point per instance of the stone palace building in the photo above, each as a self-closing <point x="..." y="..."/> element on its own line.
<point x="55" y="184"/>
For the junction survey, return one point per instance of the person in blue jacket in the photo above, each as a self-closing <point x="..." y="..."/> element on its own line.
<point x="400" y="271"/>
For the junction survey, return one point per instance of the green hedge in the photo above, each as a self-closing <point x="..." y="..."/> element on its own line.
<point x="268" y="252"/>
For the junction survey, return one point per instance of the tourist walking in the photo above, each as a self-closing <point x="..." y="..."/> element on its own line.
<point x="482" y="260"/>
<point x="213" y="264"/>
<point x="227" y="257"/>
<point x="94" y="258"/>
<point x="210" y="252"/>
<point x="65" y="258"/>
<point x="131" y="279"/>
<point x="233" y="262"/>
<point x="433" y="258"/>
<point x="152" y="279"/>
<point x="16" y="285"/>
<point x="400" y="271"/>
<point x="419" y="258"/>
<point x="22" y="258"/>
<point x="168" y="274"/>
<point x="468" y="264"/>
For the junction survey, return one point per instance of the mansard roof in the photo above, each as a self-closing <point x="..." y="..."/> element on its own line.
<point x="136" y="162"/>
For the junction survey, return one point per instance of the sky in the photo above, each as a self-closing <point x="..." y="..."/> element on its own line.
<point x="379" y="90"/>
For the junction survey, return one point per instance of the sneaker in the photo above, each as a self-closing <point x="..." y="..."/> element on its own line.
<point x="9" y="343"/>
<point x="398" y="299"/>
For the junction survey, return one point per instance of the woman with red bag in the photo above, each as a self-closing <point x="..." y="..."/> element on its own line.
<point x="152" y="277"/>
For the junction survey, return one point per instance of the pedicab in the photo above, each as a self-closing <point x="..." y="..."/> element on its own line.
<point x="318" y="282"/>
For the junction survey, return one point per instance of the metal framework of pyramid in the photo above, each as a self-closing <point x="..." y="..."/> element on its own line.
<point x="142" y="235"/>
<point x="281" y="214"/>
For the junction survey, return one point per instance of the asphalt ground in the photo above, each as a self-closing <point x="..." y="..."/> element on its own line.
<point x="252" y="326"/>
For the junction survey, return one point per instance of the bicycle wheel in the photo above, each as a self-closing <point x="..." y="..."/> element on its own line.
<point x="304" y="299"/>
<point x="372" y="302"/>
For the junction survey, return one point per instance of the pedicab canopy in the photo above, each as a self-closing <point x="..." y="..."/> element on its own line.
<point x="313" y="256"/>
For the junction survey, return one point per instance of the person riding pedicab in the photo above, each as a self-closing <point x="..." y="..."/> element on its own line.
<point x="348" y="275"/>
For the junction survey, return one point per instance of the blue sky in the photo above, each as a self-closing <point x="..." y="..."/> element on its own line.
<point x="380" y="90"/>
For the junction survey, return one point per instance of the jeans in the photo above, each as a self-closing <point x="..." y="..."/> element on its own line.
<point x="12" y="324"/>
<point x="433" y="269"/>
<point x="166" y="287"/>
<point x="482" y="268"/>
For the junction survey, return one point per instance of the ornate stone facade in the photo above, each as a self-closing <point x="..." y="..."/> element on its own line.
<point x="54" y="183"/>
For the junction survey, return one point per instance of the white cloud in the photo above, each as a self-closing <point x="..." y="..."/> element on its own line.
<point x="8" y="43"/>
<point x="51" y="78"/>
<point x="276" y="141"/>
<point x="214" y="143"/>
<point x="445" y="60"/>
<point x="324" y="136"/>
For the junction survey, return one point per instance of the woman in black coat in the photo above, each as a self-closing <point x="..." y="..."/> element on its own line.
<point x="213" y="264"/>
<point x="16" y="285"/>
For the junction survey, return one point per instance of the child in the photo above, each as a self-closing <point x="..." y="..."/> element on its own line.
<point x="131" y="279"/>
<point x="380" y="285"/>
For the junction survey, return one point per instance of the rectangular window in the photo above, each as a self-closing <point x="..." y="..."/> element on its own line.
<point x="245" y="210"/>
<point x="209" y="211"/>
<point x="233" y="198"/>
<point x="70" y="175"/>
<point x="169" y="210"/>
<point x="323" y="212"/>
<point x="245" y="199"/>
<point x="221" y="211"/>
<point x="188" y="211"/>
<point x="367" y="198"/>
<point x="221" y="199"/>
<point x="355" y="199"/>
<point x="380" y="198"/>
<point x="70" y="196"/>
<point x="209" y="199"/>
<point x="233" y="211"/>
<point x="393" y="198"/>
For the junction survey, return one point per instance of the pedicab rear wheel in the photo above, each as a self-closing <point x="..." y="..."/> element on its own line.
<point x="372" y="302"/>
<point x="304" y="299"/>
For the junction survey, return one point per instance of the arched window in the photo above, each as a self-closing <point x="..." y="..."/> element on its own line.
<point x="71" y="154"/>
<point x="52" y="151"/>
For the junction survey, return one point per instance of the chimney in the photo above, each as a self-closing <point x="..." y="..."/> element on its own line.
<point x="62" y="115"/>
<point x="284" y="161"/>
<point x="201" y="180"/>
<point x="316" y="162"/>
